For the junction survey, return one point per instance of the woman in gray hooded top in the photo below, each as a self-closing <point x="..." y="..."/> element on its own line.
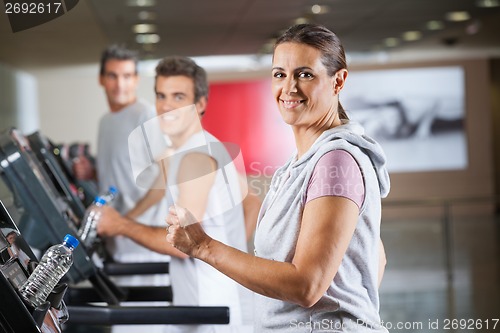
<point x="319" y="258"/>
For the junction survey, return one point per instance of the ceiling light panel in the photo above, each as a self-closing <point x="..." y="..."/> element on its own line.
<point x="457" y="16"/>
<point x="144" y="28"/>
<point x="141" y="3"/>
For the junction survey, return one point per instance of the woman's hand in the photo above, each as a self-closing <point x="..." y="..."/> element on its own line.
<point x="185" y="233"/>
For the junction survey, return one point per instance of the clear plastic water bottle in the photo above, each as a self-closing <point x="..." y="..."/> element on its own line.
<point x="88" y="231"/>
<point x="54" y="264"/>
<point x="110" y="195"/>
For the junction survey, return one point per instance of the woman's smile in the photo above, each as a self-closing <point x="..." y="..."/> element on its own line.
<point x="291" y="104"/>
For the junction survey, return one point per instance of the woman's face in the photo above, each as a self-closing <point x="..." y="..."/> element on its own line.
<point x="305" y="94"/>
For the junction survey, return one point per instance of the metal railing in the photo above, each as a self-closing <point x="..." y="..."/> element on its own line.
<point x="446" y="204"/>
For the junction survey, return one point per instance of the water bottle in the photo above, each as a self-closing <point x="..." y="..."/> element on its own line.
<point x="52" y="267"/>
<point x="110" y="195"/>
<point x="88" y="231"/>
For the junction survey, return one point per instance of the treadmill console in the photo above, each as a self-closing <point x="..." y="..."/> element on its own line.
<point x="14" y="273"/>
<point x="16" y="258"/>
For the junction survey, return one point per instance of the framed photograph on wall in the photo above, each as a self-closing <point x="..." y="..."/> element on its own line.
<point x="417" y="115"/>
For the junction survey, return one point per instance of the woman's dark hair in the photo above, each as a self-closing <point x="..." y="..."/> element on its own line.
<point x="324" y="40"/>
<point x="176" y="65"/>
<point x="118" y="52"/>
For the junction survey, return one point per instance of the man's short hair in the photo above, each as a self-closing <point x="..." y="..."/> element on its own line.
<point x="118" y="52"/>
<point x="177" y="65"/>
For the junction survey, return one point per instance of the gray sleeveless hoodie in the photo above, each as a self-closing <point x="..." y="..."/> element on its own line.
<point x="351" y="303"/>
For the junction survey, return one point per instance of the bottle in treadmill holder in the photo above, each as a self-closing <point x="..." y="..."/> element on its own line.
<point x="88" y="231"/>
<point x="56" y="262"/>
<point x="110" y="195"/>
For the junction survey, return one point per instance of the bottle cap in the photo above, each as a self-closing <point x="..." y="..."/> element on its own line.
<point x="71" y="241"/>
<point x="113" y="190"/>
<point x="100" y="200"/>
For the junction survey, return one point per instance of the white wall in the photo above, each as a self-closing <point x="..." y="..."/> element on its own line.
<point x="18" y="100"/>
<point x="18" y="107"/>
<point x="72" y="102"/>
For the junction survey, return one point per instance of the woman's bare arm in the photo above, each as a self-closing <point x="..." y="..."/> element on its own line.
<point x="327" y="227"/>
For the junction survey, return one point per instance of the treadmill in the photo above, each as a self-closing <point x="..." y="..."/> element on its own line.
<point x="15" y="265"/>
<point x="48" y="216"/>
<point x="17" y="262"/>
<point x="62" y="179"/>
<point x="79" y="195"/>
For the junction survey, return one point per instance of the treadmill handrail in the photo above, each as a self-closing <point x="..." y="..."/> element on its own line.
<point x="142" y="315"/>
<point x="85" y="295"/>
<point x="142" y="268"/>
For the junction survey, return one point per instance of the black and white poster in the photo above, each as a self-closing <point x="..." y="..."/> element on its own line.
<point x="417" y="115"/>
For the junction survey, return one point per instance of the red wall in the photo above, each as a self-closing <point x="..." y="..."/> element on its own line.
<point x="244" y="113"/>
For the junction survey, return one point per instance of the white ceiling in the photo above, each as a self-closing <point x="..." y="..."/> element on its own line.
<point x="217" y="27"/>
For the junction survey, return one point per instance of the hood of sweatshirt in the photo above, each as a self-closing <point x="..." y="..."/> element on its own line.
<point x="349" y="135"/>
